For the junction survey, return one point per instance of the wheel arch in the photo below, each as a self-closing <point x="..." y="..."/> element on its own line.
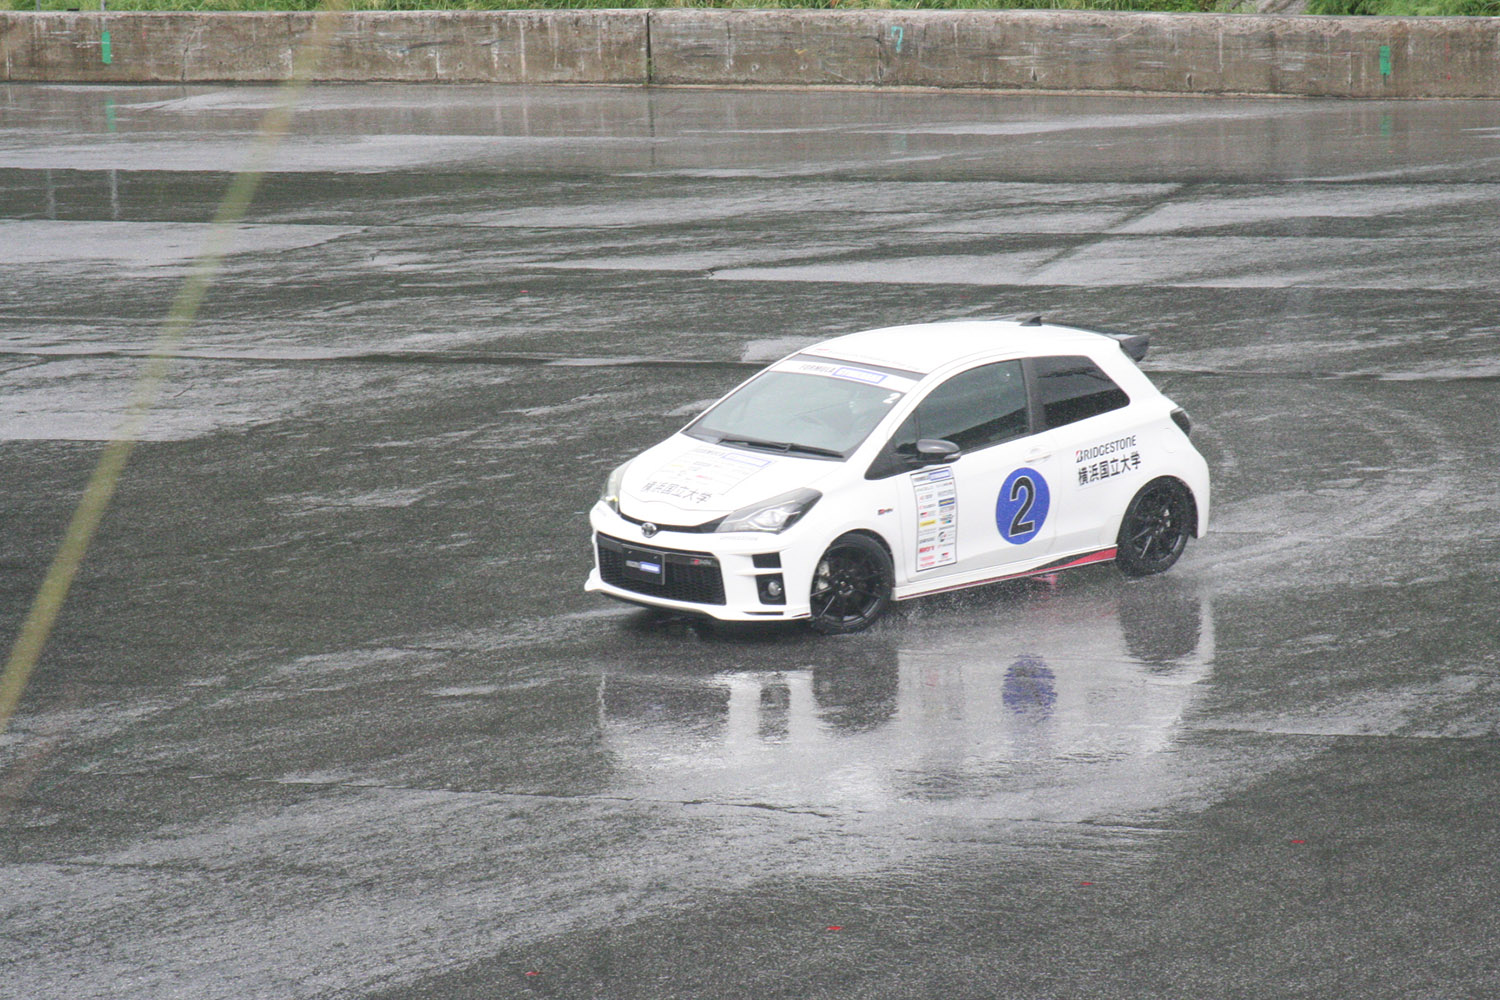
<point x="869" y="533"/>
<point x="1181" y="484"/>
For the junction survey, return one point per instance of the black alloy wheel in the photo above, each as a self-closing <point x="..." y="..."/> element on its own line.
<point x="851" y="585"/>
<point x="1155" y="528"/>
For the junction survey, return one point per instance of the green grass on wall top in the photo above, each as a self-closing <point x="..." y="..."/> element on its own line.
<point x="1407" y="8"/>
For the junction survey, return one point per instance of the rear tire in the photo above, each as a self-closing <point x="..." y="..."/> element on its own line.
<point x="1155" y="528"/>
<point x="851" y="585"/>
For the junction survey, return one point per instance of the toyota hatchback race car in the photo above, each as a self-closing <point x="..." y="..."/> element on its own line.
<point x="902" y="462"/>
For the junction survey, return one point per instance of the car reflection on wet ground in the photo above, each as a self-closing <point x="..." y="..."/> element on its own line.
<point x="1032" y="719"/>
<point x="328" y="713"/>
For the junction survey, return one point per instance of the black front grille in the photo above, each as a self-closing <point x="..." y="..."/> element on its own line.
<point x="704" y="528"/>
<point x="689" y="576"/>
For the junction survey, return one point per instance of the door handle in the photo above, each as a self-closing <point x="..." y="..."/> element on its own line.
<point x="1038" y="455"/>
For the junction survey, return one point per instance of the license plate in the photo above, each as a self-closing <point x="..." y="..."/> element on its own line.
<point x="645" y="565"/>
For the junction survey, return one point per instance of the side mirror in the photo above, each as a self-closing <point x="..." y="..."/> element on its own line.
<point x="936" y="451"/>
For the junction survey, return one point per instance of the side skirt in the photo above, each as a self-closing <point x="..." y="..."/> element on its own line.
<point x="1067" y="562"/>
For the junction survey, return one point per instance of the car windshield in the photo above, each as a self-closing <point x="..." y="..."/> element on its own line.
<point x="801" y="414"/>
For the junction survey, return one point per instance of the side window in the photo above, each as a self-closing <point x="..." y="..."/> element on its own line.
<point x="1074" y="388"/>
<point x="973" y="409"/>
<point x="979" y="407"/>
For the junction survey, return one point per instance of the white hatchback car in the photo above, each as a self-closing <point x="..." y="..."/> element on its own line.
<point x="902" y="462"/>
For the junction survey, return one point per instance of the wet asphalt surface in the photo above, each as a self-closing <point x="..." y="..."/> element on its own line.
<point x="329" y="715"/>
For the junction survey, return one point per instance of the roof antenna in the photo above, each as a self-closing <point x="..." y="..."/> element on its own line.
<point x="1033" y="321"/>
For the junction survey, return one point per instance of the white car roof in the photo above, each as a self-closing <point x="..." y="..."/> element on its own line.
<point x="926" y="347"/>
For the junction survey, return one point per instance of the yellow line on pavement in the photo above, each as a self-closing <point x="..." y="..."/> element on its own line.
<point x="53" y="593"/>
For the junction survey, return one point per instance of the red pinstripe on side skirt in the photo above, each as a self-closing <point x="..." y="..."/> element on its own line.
<point x="1103" y="555"/>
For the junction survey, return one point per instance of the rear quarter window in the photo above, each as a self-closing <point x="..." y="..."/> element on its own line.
<point x="1074" y="388"/>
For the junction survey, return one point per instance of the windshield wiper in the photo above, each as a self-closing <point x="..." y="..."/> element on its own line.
<point x="786" y="446"/>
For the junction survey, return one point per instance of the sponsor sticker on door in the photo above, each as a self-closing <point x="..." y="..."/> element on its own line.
<point x="936" y="494"/>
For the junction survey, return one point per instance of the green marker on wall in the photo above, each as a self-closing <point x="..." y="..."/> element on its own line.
<point x="104" y="49"/>
<point x="1385" y="61"/>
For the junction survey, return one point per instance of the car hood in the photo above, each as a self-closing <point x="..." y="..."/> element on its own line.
<point x="684" y="481"/>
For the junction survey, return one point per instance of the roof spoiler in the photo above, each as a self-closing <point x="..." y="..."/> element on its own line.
<point x="1133" y="344"/>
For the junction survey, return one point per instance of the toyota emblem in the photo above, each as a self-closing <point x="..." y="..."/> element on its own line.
<point x="648" y="529"/>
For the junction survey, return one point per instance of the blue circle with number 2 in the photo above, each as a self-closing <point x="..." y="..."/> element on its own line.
<point x="1021" y="508"/>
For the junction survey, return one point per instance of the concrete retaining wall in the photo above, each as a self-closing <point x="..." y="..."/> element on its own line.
<point x="1026" y="50"/>
<point x="1068" y="50"/>
<point x="430" y="46"/>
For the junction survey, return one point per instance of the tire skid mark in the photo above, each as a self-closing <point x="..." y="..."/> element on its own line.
<point x="1425" y="475"/>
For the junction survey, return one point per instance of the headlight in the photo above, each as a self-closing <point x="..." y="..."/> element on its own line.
<point x="775" y="514"/>
<point x="611" y="494"/>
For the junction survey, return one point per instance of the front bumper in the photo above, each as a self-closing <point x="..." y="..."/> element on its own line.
<point x="724" y="576"/>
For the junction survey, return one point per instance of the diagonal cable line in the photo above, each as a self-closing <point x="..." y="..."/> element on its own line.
<point x="53" y="592"/>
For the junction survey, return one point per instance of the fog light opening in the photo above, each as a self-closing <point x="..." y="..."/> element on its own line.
<point x="772" y="589"/>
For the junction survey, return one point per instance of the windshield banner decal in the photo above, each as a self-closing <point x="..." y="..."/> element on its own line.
<point x="847" y="372"/>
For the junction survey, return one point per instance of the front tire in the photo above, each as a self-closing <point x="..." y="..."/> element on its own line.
<point x="1155" y="528"/>
<point x="851" y="585"/>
